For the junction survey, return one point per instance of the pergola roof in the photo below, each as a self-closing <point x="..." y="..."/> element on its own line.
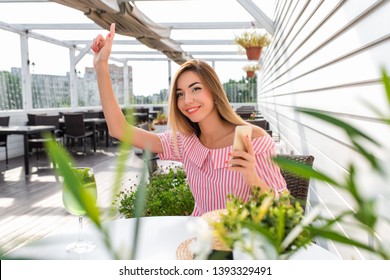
<point x="142" y="22"/>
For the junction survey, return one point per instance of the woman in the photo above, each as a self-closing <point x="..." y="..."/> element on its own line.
<point x="202" y="129"/>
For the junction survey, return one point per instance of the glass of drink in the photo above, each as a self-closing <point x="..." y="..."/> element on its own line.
<point x="73" y="206"/>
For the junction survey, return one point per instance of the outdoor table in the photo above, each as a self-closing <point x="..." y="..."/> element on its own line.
<point x="26" y="131"/>
<point x="158" y="239"/>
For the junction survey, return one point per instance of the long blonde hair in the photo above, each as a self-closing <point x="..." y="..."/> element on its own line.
<point x="179" y="122"/>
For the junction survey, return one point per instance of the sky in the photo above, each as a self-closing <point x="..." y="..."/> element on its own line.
<point x="148" y="77"/>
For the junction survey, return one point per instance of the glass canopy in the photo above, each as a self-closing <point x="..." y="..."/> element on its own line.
<point x="200" y="29"/>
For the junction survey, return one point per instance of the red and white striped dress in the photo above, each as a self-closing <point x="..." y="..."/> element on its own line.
<point x="207" y="174"/>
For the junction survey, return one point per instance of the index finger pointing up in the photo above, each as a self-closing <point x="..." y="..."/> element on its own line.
<point x="112" y="30"/>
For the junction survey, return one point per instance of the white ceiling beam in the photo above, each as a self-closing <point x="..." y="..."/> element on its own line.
<point x="20" y="30"/>
<point x="148" y="58"/>
<point x="258" y="15"/>
<point x="182" y="42"/>
<point x="172" y="25"/>
<point x="22" y="1"/>
<point x="192" y="52"/>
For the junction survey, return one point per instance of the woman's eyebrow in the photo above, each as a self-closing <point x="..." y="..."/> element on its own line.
<point x="194" y="83"/>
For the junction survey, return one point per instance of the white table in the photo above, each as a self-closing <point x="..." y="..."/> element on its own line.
<point x="159" y="237"/>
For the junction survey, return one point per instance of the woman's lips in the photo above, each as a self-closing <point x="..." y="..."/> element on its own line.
<point x="192" y="110"/>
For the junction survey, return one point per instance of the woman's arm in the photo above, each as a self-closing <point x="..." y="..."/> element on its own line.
<point x="116" y="121"/>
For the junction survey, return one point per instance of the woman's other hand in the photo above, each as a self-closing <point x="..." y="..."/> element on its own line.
<point x="102" y="47"/>
<point x="245" y="162"/>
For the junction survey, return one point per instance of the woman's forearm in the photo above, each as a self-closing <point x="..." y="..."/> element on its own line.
<point x="115" y="119"/>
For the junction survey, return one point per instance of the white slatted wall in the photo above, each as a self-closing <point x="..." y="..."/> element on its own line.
<point x="327" y="55"/>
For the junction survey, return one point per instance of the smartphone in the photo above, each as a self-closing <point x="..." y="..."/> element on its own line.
<point x="239" y="137"/>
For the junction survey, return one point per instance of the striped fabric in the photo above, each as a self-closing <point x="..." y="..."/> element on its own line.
<point x="209" y="179"/>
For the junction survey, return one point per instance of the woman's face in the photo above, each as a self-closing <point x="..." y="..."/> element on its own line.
<point x="194" y="99"/>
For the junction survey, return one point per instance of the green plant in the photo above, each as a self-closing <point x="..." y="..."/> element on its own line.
<point x="251" y="67"/>
<point x="167" y="194"/>
<point x="252" y="39"/>
<point x="274" y="219"/>
<point x="64" y="163"/>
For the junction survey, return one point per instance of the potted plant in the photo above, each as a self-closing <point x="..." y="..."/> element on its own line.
<point x="253" y="43"/>
<point x="263" y="227"/>
<point x="161" y="119"/>
<point x="250" y="70"/>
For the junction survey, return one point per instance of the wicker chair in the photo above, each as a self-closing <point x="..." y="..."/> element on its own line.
<point x="298" y="186"/>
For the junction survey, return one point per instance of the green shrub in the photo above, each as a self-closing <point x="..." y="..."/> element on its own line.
<point x="167" y="194"/>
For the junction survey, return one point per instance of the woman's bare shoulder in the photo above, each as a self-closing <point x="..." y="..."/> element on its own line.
<point x="258" y="132"/>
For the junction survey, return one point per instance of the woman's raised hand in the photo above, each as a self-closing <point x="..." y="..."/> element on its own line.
<point x="102" y="46"/>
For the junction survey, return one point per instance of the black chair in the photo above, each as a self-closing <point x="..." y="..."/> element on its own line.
<point x="263" y="123"/>
<point x="31" y="118"/>
<point x="75" y="130"/>
<point x="4" y="121"/>
<point x="38" y="142"/>
<point x="101" y="128"/>
<point x="298" y="186"/>
<point x="141" y="115"/>
<point x="245" y="112"/>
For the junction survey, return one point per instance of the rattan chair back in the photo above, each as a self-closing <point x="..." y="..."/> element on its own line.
<point x="298" y="186"/>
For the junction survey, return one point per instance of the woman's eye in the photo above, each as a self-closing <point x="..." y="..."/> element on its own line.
<point x="179" y="94"/>
<point x="196" y="89"/>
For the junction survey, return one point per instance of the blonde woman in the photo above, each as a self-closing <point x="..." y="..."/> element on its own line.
<point x="202" y="124"/>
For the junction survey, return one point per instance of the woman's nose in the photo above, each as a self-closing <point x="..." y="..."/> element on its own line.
<point x="188" y="98"/>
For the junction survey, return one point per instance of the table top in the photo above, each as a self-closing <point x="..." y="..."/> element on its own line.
<point x="86" y="120"/>
<point x="25" y="129"/>
<point x="159" y="238"/>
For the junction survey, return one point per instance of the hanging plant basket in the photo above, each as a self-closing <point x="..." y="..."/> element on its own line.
<point x="250" y="74"/>
<point x="250" y="70"/>
<point x="253" y="42"/>
<point x="253" y="53"/>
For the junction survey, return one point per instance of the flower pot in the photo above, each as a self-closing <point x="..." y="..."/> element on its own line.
<point x="250" y="74"/>
<point x="253" y="53"/>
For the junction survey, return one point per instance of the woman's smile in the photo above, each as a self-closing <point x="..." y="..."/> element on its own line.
<point x="193" y="110"/>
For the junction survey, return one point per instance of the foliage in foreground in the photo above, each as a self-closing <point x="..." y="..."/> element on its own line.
<point x="367" y="215"/>
<point x="262" y="215"/>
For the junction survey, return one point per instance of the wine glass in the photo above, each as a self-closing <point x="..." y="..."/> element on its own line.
<point x="73" y="207"/>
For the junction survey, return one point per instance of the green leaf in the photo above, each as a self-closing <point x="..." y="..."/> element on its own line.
<point x="349" y="129"/>
<point x="124" y="152"/>
<point x="281" y="225"/>
<point x="303" y="170"/>
<point x="64" y="165"/>
<point x="370" y="157"/>
<point x="386" y="83"/>
<point x="261" y="230"/>
<point x="332" y="235"/>
<point x="366" y="214"/>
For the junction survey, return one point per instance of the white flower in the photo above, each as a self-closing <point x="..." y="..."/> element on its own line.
<point x="296" y="231"/>
<point x="202" y="247"/>
<point x="254" y="246"/>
